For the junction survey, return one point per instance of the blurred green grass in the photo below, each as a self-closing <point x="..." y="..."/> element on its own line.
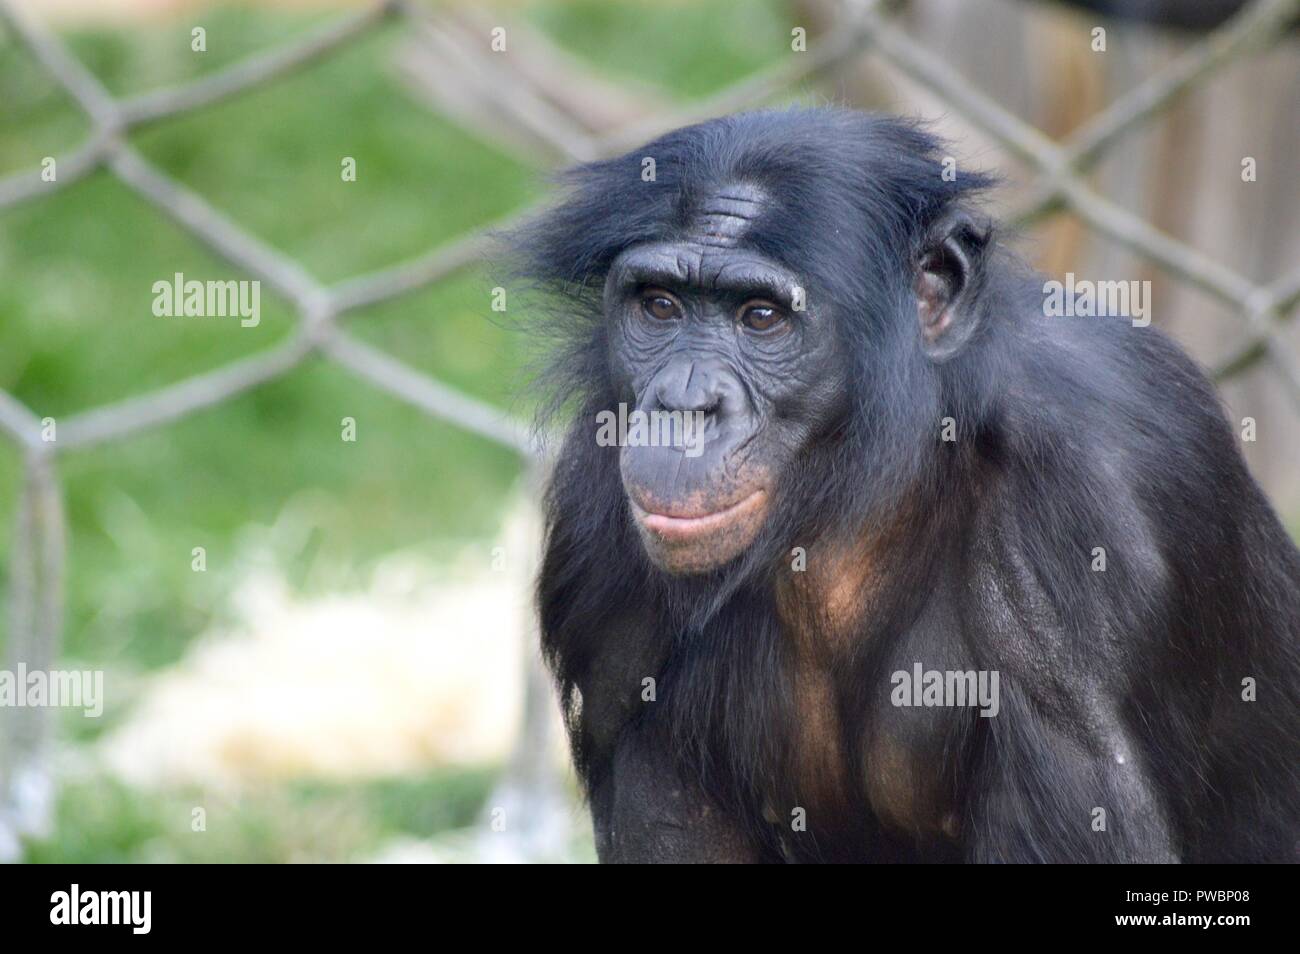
<point x="76" y="331"/>
<point x="102" y="821"/>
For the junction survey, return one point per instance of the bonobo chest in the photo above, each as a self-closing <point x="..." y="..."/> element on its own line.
<point x="863" y="743"/>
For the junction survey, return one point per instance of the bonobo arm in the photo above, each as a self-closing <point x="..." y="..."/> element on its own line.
<point x="1060" y="777"/>
<point x="1059" y="794"/>
<point x="644" y="814"/>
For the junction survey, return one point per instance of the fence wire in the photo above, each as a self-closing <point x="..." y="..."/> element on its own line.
<point x="37" y="558"/>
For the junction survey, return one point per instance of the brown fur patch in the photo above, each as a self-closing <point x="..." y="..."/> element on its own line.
<point x="819" y="762"/>
<point x="824" y="605"/>
<point x="905" y="794"/>
<point x="821" y="608"/>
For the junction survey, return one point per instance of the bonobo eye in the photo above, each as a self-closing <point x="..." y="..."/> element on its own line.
<point x="761" y="316"/>
<point x="660" y="305"/>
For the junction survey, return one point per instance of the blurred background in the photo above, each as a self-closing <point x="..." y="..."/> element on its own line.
<point x="347" y="676"/>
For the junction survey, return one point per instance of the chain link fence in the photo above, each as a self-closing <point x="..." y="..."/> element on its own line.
<point x="37" y="559"/>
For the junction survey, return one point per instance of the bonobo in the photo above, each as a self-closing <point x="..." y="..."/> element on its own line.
<point x="946" y="579"/>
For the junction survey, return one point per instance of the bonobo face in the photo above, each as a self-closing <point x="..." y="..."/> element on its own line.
<point x="717" y="336"/>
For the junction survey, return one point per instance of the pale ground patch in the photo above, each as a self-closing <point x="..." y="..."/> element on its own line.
<point x="422" y="668"/>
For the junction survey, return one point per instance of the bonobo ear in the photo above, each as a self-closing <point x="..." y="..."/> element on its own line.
<point x="946" y="280"/>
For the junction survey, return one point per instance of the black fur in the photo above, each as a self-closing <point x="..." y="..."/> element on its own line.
<point x="1072" y="433"/>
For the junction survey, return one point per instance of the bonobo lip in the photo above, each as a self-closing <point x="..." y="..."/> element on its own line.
<point x="676" y="528"/>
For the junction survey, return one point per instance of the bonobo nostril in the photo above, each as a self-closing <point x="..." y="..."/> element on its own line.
<point x="694" y="399"/>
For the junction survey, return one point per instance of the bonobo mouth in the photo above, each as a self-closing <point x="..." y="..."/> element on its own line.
<point x="684" y="526"/>
<point x="690" y="538"/>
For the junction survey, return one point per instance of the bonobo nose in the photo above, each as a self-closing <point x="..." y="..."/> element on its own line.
<point x="687" y="384"/>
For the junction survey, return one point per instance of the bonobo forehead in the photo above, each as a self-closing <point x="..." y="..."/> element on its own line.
<point x="712" y="254"/>
<point x="722" y="216"/>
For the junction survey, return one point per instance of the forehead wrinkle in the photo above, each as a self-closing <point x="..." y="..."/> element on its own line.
<point x="723" y="217"/>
